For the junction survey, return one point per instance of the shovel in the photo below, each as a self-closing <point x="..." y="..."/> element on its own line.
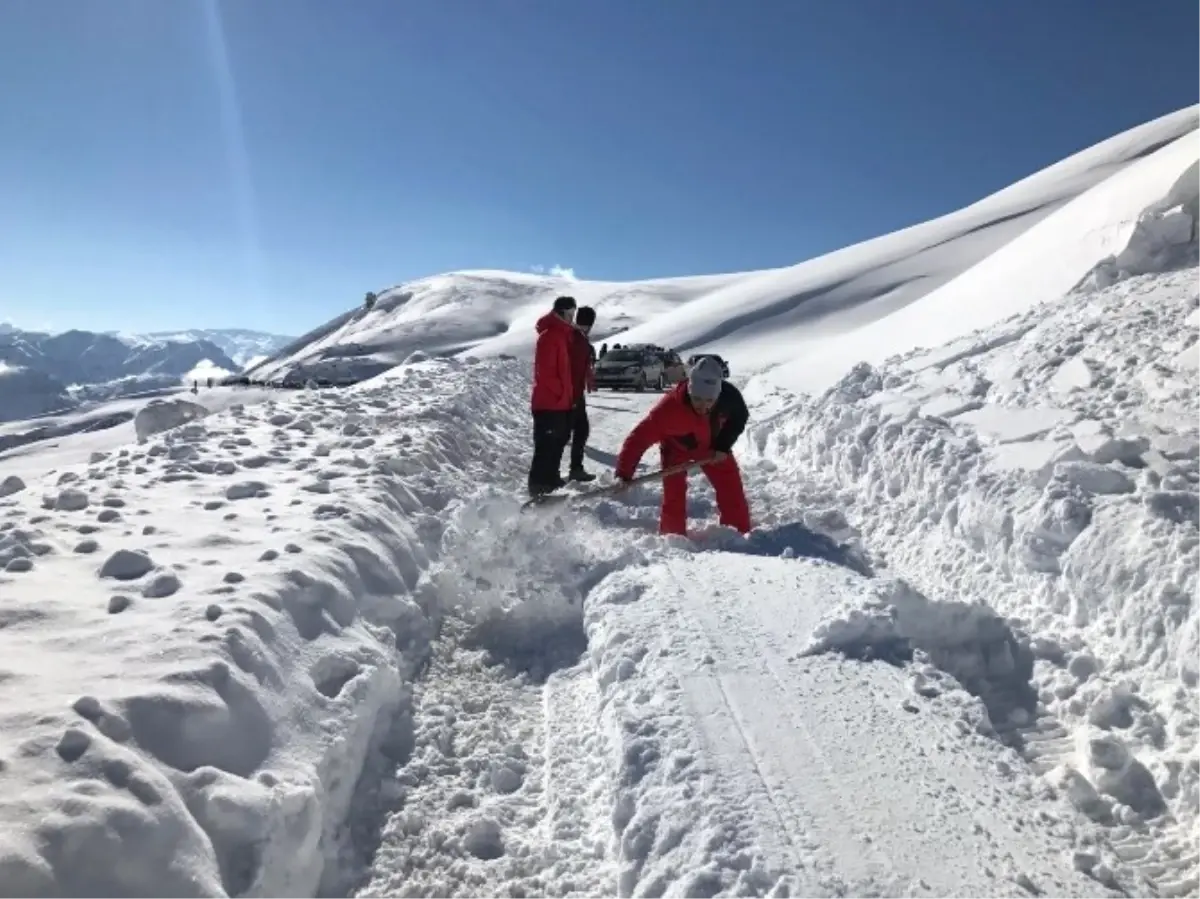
<point x="554" y="499"/>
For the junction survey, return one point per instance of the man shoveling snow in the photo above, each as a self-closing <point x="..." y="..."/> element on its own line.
<point x="699" y="420"/>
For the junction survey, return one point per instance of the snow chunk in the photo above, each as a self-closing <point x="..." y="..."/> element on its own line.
<point x="163" y="415"/>
<point x="126" y="565"/>
<point x="1091" y="477"/>
<point x="1074" y="374"/>
<point x="969" y="642"/>
<point x="1012" y="425"/>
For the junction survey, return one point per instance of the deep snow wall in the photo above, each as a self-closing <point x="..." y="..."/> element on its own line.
<point x="1047" y="466"/>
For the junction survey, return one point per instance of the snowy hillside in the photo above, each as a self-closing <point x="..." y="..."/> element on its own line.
<point x="240" y="345"/>
<point x="849" y="305"/>
<point x="492" y="312"/>
<point x="54" y="372"/>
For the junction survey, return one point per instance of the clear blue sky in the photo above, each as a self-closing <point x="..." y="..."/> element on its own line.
<point x="175" y="163"/>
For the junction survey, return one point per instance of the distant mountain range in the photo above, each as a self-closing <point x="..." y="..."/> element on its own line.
<point x="238" y="344"/>
<point x="41" y="372"/>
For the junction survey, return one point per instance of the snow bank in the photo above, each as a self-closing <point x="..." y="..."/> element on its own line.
<point x="1163" y="239"/>
<point x="200" y="636"/>
<point x="1049" y="466"/>
<point x="967" y="642"/>
<point x="506" y="791"/>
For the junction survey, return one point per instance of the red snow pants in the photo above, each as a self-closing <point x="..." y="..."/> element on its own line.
<point x="726" y="480"/>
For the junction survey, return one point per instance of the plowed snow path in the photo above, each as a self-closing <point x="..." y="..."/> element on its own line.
<point x="816" y="775"/>
<point x="506" y="791"/>
<point x="692" y="750"/>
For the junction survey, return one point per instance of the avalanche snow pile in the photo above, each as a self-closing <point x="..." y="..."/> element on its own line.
<point x="199" y="635"/>
<point x="1049" y="467"/>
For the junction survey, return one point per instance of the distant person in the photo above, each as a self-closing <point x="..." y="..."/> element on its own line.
<point x="603" y="350"/>
<point x="701" y="418"/>
<point x="553" y="399"/>
<point x="583" y="380"/>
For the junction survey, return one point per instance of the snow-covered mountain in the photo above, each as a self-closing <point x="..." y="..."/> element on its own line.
<point x="241" y="345"/>
<point x="50" y="372"/>
<point x="311" y="645"/>
<point x="462" y="312"/>
<point x="812" y="317"/>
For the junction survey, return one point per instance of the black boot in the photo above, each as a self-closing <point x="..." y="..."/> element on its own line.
<point x="541" y="489"/>
<point x="578" y="474"/>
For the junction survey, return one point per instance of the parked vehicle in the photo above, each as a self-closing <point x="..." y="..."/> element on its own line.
<point x="632" y="368"/>
<point x="675" y="369"/>
<point x="692" y="360"/>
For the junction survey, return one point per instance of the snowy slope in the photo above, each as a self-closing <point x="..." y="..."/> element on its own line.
<point x="72" y="437"/>
<point x="493" y="312"/>
<point x="854" y="304"/>
<point x="829" y="311"/>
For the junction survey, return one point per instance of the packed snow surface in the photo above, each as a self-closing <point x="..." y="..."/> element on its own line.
<point x="925" y="284"/>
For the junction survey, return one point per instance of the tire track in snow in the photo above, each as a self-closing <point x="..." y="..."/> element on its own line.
<point x="739" y="709"/>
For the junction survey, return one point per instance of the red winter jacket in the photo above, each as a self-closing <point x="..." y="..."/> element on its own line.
<point x="683" y="433"/>
<point x="552" y="390"/>
<point x="583" y="361"/>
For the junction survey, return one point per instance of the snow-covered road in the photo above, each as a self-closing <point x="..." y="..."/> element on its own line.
<point x="310" y="646"/>
<point x="696" y="744"/>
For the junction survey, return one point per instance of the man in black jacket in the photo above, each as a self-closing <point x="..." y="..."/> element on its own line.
<point x="583" y="378"/>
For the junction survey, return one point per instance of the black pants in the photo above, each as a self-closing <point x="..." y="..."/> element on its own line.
<point x="580" y="429"/>
<point x="551" y="431"/>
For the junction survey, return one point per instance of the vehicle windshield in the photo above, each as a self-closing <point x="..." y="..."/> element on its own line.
<point x="623" y="356"/>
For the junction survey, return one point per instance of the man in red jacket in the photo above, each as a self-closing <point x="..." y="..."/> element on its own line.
<point x="701" y="418"/>
<point x="583" y="379"/>
<point x="553" y="397"/>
